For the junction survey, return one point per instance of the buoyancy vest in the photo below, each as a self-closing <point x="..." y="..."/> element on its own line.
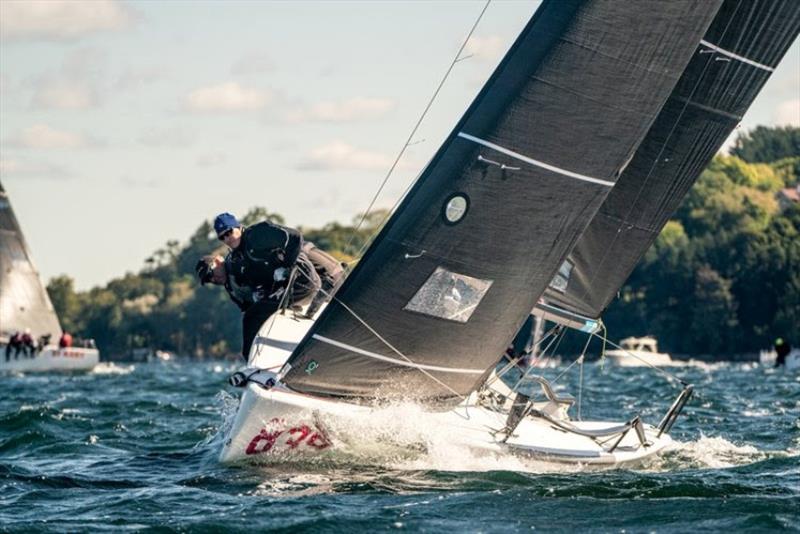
<point x="265" y="247"/>
<point x="250" y="268"/>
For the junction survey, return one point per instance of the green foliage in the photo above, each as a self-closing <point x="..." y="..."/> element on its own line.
<point x="759" y="176"/>
<point x="66" y="302"/>
<point x="766" y="145"/>
<point x="788" y="170"/>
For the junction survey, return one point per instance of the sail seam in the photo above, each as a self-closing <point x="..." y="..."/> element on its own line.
<point x="395" y="360"/>
<point x="709" y="109"/>
<point x="535" y="162"/>
<point x="736" y="56"/>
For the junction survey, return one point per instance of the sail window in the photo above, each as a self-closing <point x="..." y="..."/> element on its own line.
<point x="455" y="208"/>
<point x="449" y="295"/>
<point x="561" y="279"/>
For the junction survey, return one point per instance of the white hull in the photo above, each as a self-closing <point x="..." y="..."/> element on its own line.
<point x="51" y="358"/>
<point x="636" y="358"/>
<point x="273" y="425"/>
<point x="276" y="425"/>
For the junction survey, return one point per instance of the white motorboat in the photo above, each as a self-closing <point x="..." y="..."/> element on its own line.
<point x="637" y="352"/>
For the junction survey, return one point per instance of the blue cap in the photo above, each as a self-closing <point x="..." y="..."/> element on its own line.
<point x="224" y="222"/>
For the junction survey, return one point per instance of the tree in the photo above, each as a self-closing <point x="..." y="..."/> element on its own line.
<point x="765" y="144"/>
<point x="66" y="302"/>
<point x="713" y="313"/>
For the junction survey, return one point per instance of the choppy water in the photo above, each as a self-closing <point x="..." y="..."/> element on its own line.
<point x="135" y="447"/>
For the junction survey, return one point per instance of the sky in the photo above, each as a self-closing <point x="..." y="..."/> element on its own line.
<point x="124" y="125"/>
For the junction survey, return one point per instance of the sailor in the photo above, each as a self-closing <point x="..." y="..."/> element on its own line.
<point x="15" y="344"/>
<point x="782" y="350"/>
<point x="65" y="341"/>
<point x="265" y="269"/>
<point x="28" y="347"/>
<point x="43" y="341"/>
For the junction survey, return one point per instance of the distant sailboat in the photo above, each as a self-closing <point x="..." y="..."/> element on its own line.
<point x="592" y="96"/>
<point x="25" y="306"/>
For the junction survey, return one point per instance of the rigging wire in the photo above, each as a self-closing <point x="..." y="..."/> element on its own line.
<point x="515" y="363"/>
<point x="580" y="381"/>
<point x="408" y="142"/>
<point x="667" y="374"/>
<point x="395" y="350"/>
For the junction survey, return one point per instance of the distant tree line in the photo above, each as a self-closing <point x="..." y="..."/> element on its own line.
<point x="723" y="276"/>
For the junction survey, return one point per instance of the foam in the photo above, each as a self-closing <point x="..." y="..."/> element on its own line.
<point x="110" y="368"/>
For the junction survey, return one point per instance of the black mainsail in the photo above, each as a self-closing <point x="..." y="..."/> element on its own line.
<point x="435" y="300"/>
<point x="24" y="302"/>
<point x="730" y="66"/>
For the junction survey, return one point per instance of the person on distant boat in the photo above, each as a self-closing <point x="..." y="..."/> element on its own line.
<point x="265" y="269"/>
<point x="782" y="350"/>
<point x="65" y="341"/>
<point x="15" y="345"/>
<point x="43" y="341"/>
<point x="28" y="347"/>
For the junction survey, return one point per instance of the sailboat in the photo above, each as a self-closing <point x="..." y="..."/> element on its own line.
<point x="25" y="306"/>
<point x="541" y="200"/>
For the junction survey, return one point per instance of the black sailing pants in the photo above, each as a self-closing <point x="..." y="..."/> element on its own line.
<point x="252" y="319"/>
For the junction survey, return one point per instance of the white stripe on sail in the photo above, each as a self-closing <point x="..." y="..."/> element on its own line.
<point x="737" y="56"/>
<point x="396" y="361"/>
<point x="532" y="161"/>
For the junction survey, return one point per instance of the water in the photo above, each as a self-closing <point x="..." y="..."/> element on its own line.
<point x="134" y="447"/>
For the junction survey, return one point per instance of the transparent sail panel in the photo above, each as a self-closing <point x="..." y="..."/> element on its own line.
<point x="561" y="279"/>
<point x="449" y="295"/>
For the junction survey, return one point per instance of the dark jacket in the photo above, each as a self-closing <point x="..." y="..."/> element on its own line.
<point x="251" y="266"/>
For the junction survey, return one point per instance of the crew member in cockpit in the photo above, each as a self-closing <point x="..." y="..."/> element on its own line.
<point x="264" y="259"/>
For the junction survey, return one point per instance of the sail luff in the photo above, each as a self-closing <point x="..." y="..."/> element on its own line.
<point x="502" y="202"/>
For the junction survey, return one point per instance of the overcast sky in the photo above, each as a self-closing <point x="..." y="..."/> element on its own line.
<point x="126" y="124"/>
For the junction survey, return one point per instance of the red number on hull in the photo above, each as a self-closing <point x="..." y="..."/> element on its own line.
<point x="266" y="439"/>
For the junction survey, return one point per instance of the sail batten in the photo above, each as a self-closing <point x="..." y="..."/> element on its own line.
<point x="457" y="268"/>
<point x="737" y="57"/>
<point x="396" y="361"/>
<point x="532" y="161"/>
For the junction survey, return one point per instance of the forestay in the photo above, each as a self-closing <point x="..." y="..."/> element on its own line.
<point x="451" y="277"/>
<point x="730" y="66"/>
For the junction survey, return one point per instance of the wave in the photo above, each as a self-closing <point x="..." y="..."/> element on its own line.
<point x="110" y="368"/>
<point x="708" y="452"/>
